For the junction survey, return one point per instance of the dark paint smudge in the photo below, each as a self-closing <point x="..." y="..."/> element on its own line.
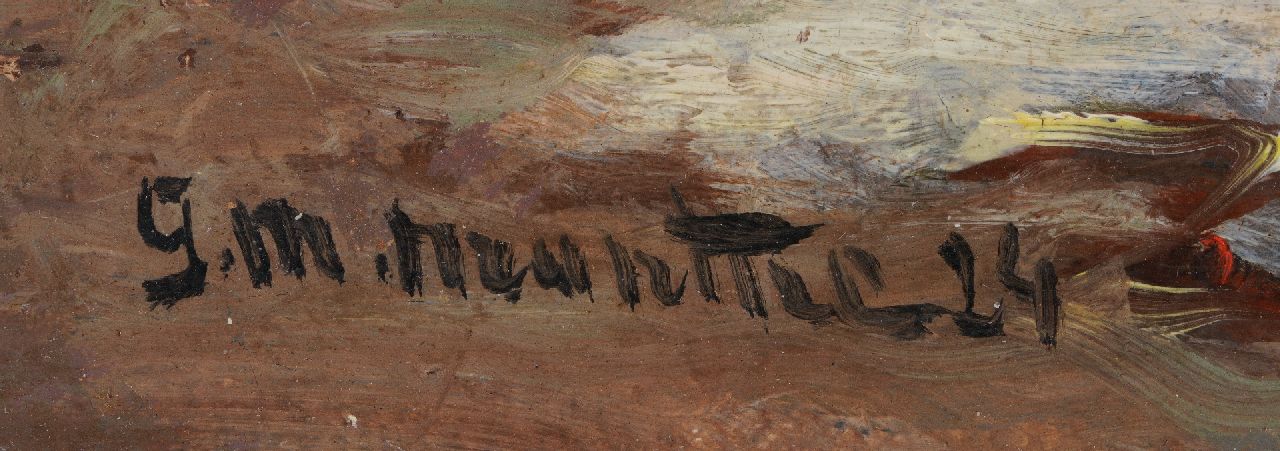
<point x="228" y="261"/>
<point x="187" y="59"/>
<point x="35" y="56"/>
<point x="381" y="265"/>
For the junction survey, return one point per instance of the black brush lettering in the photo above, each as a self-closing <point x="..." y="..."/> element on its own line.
<point x="289" y="229"/>
<point x="1008" y="269"/>
<point x="575" y="267"/>
<point x="905" y="322"/>
<point x="706" y="279"/>
<point x="254" y="251"/>
<point x="146" y="219"/>
<point x="496" y="266"/>
<point x="977" y="325"/>
<point x="444" y="240"/>
<point x="408" y="239"/>
<point x="744" y="280"/>
<point x="737" y="233"/>
<point x="277" y="216"/>
<point x="795" y="295"/>
<point x="867" y="264"/>
<point x="1047" y="303"/>
<point x="169" y="190"/>
<point x="189" y="282"/>
<point x="701" y="261"/>
<point x="959" y="256"/>
<point x="624" y="272"/>
<point x="548" y="272"/>
<point x="660" y="279"/>
<point x="318" y="235"/>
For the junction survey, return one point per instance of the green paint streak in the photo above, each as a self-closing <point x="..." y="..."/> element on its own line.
<point x="1202" y="396"/>
<point x="54" y="86"/>
<point x="105" y="15"/>
<point x="495" y="56"/>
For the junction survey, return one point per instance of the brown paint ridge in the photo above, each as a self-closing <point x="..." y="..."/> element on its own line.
<point x="605" y="18"/>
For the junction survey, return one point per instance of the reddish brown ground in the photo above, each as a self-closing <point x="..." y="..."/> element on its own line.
<point x="87" y="364"/>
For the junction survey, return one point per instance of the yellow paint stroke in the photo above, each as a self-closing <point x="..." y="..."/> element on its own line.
<point x="1135" y="285"/>
<point x="1256" y="149"/>
<point x="1179" y="314"/>
<point x="1172" y="324"/>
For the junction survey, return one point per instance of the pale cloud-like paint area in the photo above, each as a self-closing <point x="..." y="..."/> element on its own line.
<point x="901" y="86"/>
<point x="1253" y="237"/>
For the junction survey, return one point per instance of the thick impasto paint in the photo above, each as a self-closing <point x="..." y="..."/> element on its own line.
<point x="650" y="224"/>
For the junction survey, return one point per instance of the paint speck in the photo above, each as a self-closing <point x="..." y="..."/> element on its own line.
<point x="803" y="37"/>
<point x="228" y="320"/>
<point x="352" y="422"/>
<point x="188" y="58"/>
<point x="9" y="67"/>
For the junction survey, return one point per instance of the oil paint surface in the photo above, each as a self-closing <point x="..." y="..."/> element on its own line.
<point x="564" y="224"/>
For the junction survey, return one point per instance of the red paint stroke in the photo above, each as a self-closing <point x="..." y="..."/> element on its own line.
<point x="1224" y="259"/>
